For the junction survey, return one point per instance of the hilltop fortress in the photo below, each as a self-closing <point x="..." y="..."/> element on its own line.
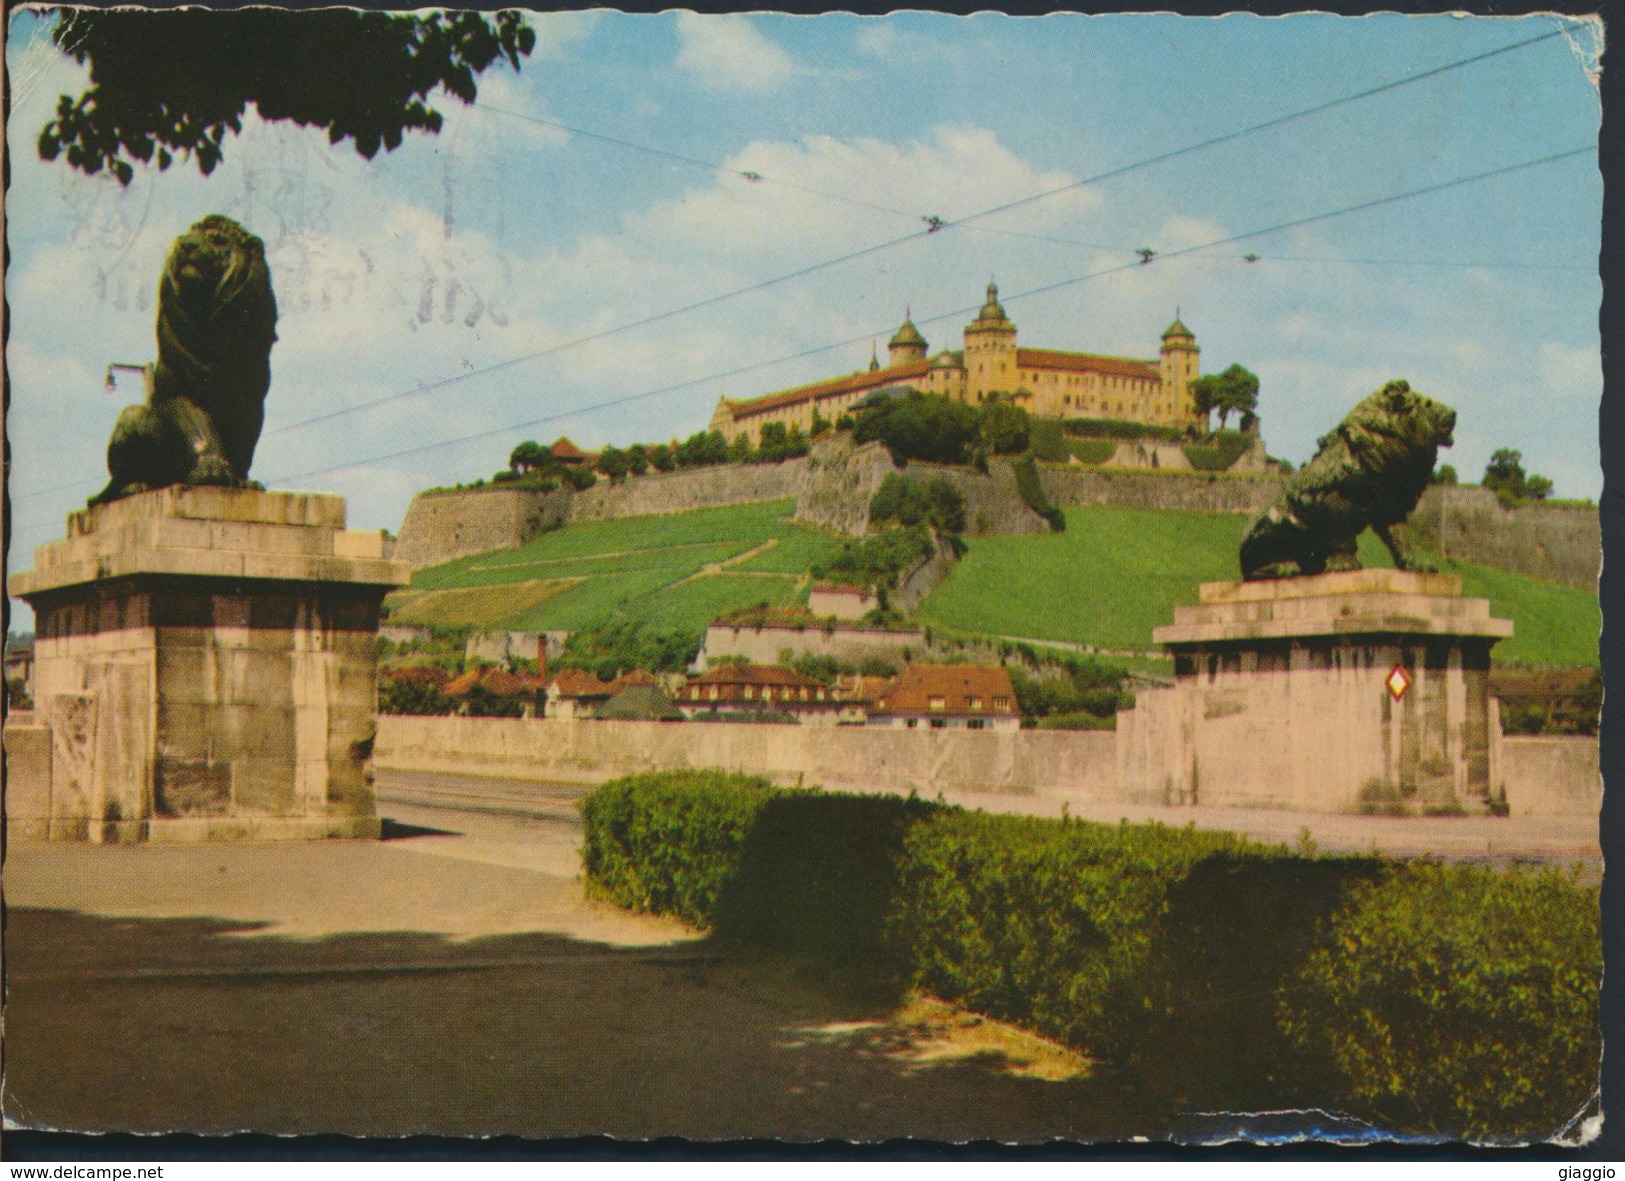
<point x="1047" y="383"/>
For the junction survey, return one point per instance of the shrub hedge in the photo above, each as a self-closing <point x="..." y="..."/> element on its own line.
<point x="1459" y="999"/>
<point x="1207" y="967"/>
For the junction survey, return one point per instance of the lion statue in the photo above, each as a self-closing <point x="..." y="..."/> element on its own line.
<point x="1370" y="471"/>
<point x="206" y="394"/>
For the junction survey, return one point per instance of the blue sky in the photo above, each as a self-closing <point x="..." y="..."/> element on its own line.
<point x="502" y="237"/>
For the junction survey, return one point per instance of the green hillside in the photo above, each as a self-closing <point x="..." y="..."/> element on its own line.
<point x="1111" y="577"/>
<point x="673" y="571"/>
<point x="1116" y="573"/>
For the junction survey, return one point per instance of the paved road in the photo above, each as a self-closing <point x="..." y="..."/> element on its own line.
<point x="453" y="979"/>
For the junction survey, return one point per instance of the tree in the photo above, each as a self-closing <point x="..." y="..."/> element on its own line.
<point x="921" y="426"/>
<point x="612" y="461"/>
<point x="740" y="450"/>
<point x="1446" y="475"/>
<point x="1003" y="427"/>
<point x="1505" y="476"/>
<point x="637" y="459"/>
<point x="1235" y="391"/>
<point x="661" y="458"/>
<point x="528" y="456"/>
<point x="168" y="85"/>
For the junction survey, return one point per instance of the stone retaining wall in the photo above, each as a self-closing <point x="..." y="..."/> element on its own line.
<point x="691" y="488"/>
<point x="1551" y="775"/>
<point x="1215" y="493"/>
<point x="856" y="758"/>
<point x="441" y="526"/>
<point x="1559" y="542"/>
<point x="1543" y="776"/>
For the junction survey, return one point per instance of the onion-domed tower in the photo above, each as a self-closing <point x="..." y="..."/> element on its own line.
<point x="990" y="351"/>
<point x="907" y="345"/>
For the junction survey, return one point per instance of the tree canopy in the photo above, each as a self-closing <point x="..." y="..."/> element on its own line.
<point x="1505" y="476"/>
<point x="1235" y="391"/>
<point x="170" y="84"/>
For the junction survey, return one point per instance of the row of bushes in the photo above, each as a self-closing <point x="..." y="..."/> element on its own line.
<point x="1032" y="491"/>
<point x="1452" y="1000"/>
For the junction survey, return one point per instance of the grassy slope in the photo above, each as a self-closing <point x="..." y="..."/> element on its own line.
<point x="1108" y="580"/>
<point x="637" y="565"/>
<point x="1117" y="573"/>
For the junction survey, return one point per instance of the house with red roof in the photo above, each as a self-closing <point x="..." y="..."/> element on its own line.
<point x="575" y="693"/>
<point x="759" y="688"/>
<point x="948" y="697"/>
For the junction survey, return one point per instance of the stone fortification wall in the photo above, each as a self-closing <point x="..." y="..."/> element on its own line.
<point x="923" y="578"/>
<point x="441" y="526"/>
<point x="28" y="776"/>
<point x="764" y="645"/>
<point x="692" y="488"/>
<point x="993" y="502"/>
<point x="1222" y="493"/>
<point x="1559" y="542"/>
<point x="841" y="480"/>
<point x="854" y="758"/>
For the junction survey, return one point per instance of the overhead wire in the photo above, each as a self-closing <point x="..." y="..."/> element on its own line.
<point x="802" y="272"/>
<point x="867" y="251"/>
<point x="1167" y="256"/>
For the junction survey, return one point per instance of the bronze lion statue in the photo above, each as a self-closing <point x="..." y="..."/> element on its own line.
<point x="206" y="394"/>
<point x="1369" y="472"/>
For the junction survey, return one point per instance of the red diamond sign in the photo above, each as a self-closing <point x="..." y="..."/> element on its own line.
<point x="1398" y="681"/>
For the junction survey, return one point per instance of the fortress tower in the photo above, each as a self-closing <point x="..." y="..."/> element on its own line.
<point x="907" y="345"/>
<point x="1180" y="358"/>
<point x="990" y="351"/>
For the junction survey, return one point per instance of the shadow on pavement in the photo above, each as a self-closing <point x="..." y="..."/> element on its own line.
<point x="203" y="1025"/>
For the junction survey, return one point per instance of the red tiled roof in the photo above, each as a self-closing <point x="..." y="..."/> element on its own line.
<point x="755" y="674"/>
<point x="854" y="383"/>
<point x="636" y="677"/>
<point x="492" y="680"/>
<point x="574" y="682"/>
<point x="564" y="449"/>
<point x="424" y="674"/>
<point x="956" y="684"/>
<point x="1088" y="362"/>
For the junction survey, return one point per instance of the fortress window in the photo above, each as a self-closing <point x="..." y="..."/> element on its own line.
<point x="976" y="703"/>
<point x="938" y="702"/>
<point x="1001" y="703"/>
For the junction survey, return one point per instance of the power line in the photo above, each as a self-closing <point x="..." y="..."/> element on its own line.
<point x="882" y="246"/>
<point x="1412" y="262"/>
<point x="709" y="166"/>
<point x="962" y="223"/>
<point x="1272" y="123"/>
<point x="1373" y="203"/>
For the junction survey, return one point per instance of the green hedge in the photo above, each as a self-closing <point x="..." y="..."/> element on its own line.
<point x="1218" y="455"/>
<point x="1206" y="968"/>
<point x="1460" y="1000"/>
<point x="667" y="842"/>
<point x="1046" y="440"/>
<point x="1032" y="491"/>
<point x="1092" y="451"/>
<point x="1119" y="428"/>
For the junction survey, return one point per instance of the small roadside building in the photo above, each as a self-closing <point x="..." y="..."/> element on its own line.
<point x="574" y="693"/>
<point x="948" y="697"/>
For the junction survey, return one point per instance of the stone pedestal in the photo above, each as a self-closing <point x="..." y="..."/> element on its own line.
<point x="1281" y="698"/>
<point x="207" y="668"/>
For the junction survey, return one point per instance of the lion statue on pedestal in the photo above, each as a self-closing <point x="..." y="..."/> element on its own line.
<point x="1369" y="472"/>
<point x="206" y="394"/>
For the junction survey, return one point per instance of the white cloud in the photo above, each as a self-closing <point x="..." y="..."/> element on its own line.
<point x="1566" y="371"/>
<point x="730" y="53"/>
